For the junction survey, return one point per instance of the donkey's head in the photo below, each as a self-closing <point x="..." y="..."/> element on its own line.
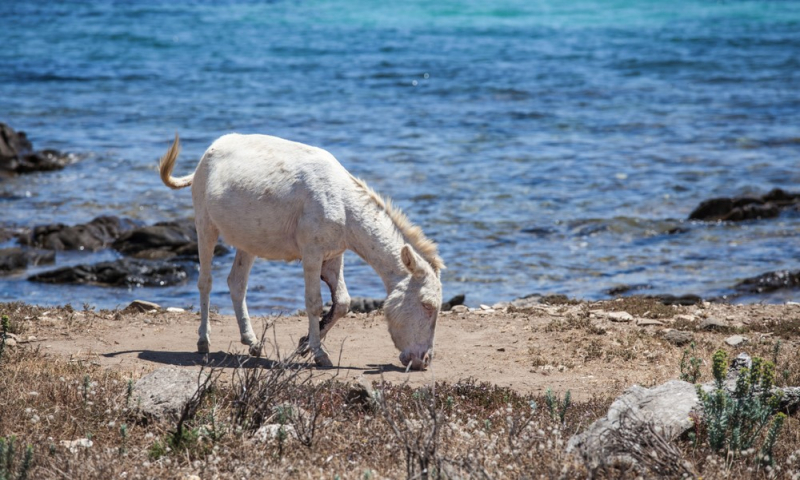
<point x="411" y="310"/>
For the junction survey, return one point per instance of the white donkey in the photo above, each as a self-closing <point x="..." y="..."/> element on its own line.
<point x="282" y="200"/>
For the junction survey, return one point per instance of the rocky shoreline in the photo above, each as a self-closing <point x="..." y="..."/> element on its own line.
<point x="160" y="254"/>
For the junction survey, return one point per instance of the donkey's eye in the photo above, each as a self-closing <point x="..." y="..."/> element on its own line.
<point x="429" y="308"/>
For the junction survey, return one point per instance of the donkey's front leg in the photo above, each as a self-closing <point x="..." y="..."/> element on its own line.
<point x="333" y="276"/>
<point x="312" y="266"/>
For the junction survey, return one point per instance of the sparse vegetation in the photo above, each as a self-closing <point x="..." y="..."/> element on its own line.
<point x="328" y="428"/>
<point x="733" y="422"/>
<point x="690" y="365"/>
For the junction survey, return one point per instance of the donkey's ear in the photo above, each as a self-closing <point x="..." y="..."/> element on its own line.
<point x="410" y="260"/>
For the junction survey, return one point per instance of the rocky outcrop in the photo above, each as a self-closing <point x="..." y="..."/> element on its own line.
<point x="121" y="273"/>
<point x="769" y="282"/>
<point x="16" y="259"/>
<point x="95" y="235"/>
<point x="644" y="419"/>
<point x="161" y="241"/>
<point x="17" y="155"/>
<point x="745" y="208"/>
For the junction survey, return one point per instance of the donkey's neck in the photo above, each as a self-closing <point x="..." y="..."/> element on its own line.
<point x="372" y="234"/>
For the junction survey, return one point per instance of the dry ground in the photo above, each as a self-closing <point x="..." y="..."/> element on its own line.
<point x="576" y="347"/>
<point x="68" y="380"/>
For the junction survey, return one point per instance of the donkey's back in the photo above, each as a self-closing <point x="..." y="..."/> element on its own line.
<point x="266" y="195"/>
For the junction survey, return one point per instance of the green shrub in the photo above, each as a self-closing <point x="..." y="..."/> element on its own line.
<point x="7" y="460"/>
<point x="734" y="421"/>
<point x="557" y="408"/>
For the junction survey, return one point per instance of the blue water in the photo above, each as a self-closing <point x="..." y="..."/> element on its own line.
<point x="547" y="146"/>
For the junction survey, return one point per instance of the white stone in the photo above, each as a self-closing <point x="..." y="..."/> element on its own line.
<point x="735" y="340"/>
<point x="74" y="445"/>
<point x="175" y="310"/>
<point x="619" y="316"/>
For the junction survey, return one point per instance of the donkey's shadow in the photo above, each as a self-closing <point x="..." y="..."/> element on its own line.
<point x="210" y="360"/>
<point x="221" y="359"/>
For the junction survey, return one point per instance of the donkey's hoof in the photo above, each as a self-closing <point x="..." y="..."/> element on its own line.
<point x="255" y="350"/>
<point x="202" y="347"/>
<point x="323" y="361"/>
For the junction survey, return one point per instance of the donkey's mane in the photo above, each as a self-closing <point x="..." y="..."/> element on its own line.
<point x="424" y="246"/>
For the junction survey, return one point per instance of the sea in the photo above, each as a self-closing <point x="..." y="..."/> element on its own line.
<point x="547" y="146"/>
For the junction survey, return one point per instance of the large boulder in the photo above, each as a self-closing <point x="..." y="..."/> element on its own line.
<point x="120" y="273"/>
<point x="18" y="156"/>
<point x="163" y="393"/>
<point x="745" y="208"/>
<point x="665" y="407"/>
<point x="162" y="241"/>
<point x="95" y="235"/>
<point x="15" y="259"/>
<point x="769" y="282"/>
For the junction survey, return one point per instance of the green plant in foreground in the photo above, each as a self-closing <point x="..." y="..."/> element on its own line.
<point x="7" y="460"/>
<point x="734" y="421"/>
<point x="557" y="408"/>
<point x="690" y="365"/>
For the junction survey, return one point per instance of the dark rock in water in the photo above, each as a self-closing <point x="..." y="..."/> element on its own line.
<point x="365" y="305"/>
<point x="120" y="273"/>
<point x="684" y="300"/>
<point x="162" y="241"/>
<point x="623" y="289"/>
<point x="769" y="282"/>
<point x="95" y="235"/>
<point x="17" y="155"/>
<point x="14" y="259"/>
<point x="745" y="208"/>
<point x="457" y="300"/>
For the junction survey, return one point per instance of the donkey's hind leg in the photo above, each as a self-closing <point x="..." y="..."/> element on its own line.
<point x="237" y="283"/>
<point x="207" y="235"/>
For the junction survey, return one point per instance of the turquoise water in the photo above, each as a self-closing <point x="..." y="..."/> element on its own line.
<point x="547" y="146"/>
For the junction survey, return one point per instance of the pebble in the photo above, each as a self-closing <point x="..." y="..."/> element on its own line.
<point x="73" y="445"/>
<point x="619" y="316"/>
<point x="644" y="322"/>
<point x="678" y="337"/>
<point x="460" y="309"/>
<point x="143" y="306"/>
<point x="175" y="310"/>
<point x="712" y="324"/>
<point x="735" y="340"/>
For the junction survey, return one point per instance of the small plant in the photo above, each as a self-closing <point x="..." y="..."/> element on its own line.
<point x="123" y="431"/>
<point x="734" y="421"/>
<point x="557" y="408"/>
<point x="7" y="448"/>
<point x="4" y="335"/>
<point x="690" y="365"/>
<point x="129" y="393"/>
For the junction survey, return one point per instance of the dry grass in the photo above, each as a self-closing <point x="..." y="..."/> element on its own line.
<point x="464" y="429"/>
<point x="467" y="429"/>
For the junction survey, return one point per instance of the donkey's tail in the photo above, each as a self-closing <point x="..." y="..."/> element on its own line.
<point x="167" y="163"/>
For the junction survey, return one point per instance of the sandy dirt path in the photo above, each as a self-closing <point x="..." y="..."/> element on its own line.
<point x="582" y="347"/>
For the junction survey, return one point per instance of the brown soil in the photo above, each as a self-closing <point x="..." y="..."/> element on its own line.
<point x="574" y="347"/>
